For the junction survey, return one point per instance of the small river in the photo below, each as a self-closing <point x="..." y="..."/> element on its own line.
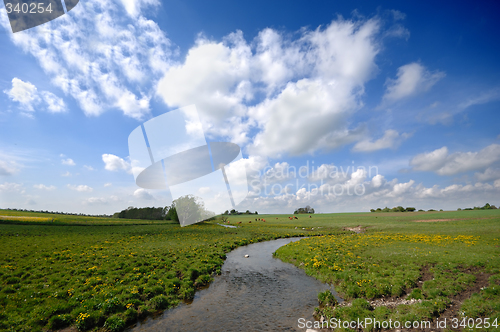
<point x="258" y="293"/>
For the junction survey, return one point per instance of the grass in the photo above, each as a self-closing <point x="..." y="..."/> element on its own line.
<point x="92" y="272"/>
<point x="97" y="272"/>
<point x="389" y="261"/>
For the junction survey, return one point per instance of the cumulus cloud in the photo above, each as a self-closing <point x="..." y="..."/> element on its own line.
<point x="108" y="184"/>
<point x="95" y="201"/>
<point x="8" y="167"/>
<point x="115" y="163"/>
<point x="44" y="187"/>
<point x="68" y="162"/>
<point x="311" y="85"/>
<point x="442" y="162"/>
<point x="12" y="187"/>
<point x="29" y="99"/>
<point x="411" y="79"/>
<point x="488" y="175"/>
<point x="80" y="188"/>
<point x="24" y="93"/>
<point x="109" y="65"/>
<point x="391" y="140"/>
<point x="358" y="192"/>
<point x="143" y="194"/>
<point x="134" y="7"/>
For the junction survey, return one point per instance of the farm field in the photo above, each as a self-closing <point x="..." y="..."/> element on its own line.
<point x="409" y="267"/>
<point x="91" y="272"/>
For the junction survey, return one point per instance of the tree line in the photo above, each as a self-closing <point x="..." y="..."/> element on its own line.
<point x="59" y="212"/>
<point x="307" y="210"/>
<point x="234" y="212"/>
<point x="487" y="206"/>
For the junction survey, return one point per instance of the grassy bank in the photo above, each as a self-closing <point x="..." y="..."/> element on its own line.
<point x="448" y="262"/>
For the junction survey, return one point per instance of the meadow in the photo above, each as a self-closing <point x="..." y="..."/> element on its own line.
<point x="105" y="273"/>
<point x="91" y="272"/>
<point x="447" y="262"/>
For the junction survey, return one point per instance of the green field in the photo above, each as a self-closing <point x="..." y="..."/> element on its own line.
<point x="101" y="272"/>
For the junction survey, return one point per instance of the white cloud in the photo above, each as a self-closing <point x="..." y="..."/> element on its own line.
<point x="430" y="161"/>
<point x="143" y="194"/>
<point x="8" y="167"/>
<point x="44" y="187"/>
<point x="411" y="79"/>
<point x="443" y="163"/>
<point x="204" y="190"/>
<point x="27" y="95"/>
<point x="54" y="103"/>
<point x="378" y="180"/>
<point x="80" y="188"/>
<point x="483" y="98"/>
<point x="311" y="85"/>
<point x="12" y="187"/>
<point x="68" y="162"/>
<point x="24" y="93"/>
<point x="134" y="7"/>
<point x="115" y="163"/>
<point x="89" y="168"/>
<point x="109" y="65"/>
<point x="66" y="174"/>
<point x="488" y="175"/>
<point x="108" y="184"/>
<point x="391" y="140"/>
<point x="397" y="15"/>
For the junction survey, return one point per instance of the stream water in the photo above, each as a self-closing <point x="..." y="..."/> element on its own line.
<point x="258" y="293"/>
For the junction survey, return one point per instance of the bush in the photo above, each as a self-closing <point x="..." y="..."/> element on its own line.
<point x="327" y="298"/>
<point x="203" y="280"/>
<point x="114" y="324"/>
<point x="85" y="321"/>
<point x="112" y="305"/>
<point x="415" y="294"/>
<point x="59" y="321"/>
<point x="159" y="302"/>
<point x="130" y="315"/>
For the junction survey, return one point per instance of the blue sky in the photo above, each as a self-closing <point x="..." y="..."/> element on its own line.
<point x="383" y="104"/>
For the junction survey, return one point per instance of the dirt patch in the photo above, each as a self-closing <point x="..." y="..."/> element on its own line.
<point x="436" y="220"/>
<point x="454" y="219"/>
<point x="482" y="280"/>
<point x="358" y="229"/>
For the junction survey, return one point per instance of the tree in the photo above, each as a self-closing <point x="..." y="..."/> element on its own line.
<point x="191" y="209"/>
<point x="410" y="209"/>
<point x="172" y="213"/>
<point x="306" y="209"/>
